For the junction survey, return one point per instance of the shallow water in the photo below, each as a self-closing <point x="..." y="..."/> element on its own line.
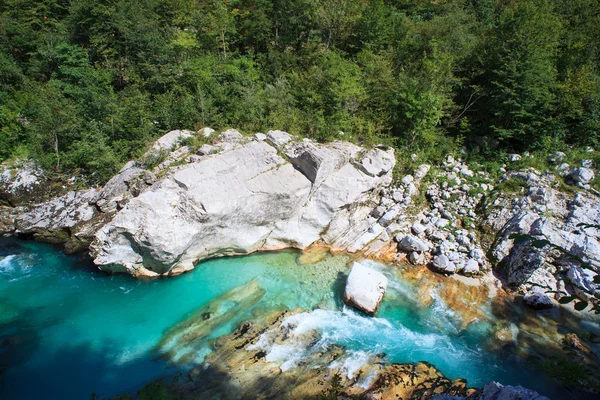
<point x="67" y="330"/>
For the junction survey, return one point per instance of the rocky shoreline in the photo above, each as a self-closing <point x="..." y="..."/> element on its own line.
<point x="183" y="203"/>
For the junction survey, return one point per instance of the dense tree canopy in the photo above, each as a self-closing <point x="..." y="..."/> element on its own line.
<point x="86" y="84"/>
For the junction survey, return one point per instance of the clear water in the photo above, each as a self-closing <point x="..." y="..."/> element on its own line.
<point x="67" y="330"/>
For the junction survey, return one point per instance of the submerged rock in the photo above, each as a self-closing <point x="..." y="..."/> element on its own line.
<point x="277" y="356"/>
<point x="185" y="341"/>
<point x="365" y="288"/>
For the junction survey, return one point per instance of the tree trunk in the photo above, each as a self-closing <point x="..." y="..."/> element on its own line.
<point x="56" y="150"/>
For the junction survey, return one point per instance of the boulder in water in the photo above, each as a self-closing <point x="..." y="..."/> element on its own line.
<point x="365" y="288"/>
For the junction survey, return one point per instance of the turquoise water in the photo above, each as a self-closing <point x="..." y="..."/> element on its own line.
<point x="67" y="330"/>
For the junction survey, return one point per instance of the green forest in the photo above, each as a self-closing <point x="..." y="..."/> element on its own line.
<point x="85" y="85"/>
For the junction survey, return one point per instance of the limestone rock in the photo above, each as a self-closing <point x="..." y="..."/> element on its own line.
<point x="471" y="268"/>
<point x="260" y="137"/>
<point x="129" y="182"/>
<point x="243" y="199"/>
<point x="66" y="219"/>
<point x="365" y="288"/>
<point x="411" y="243"/>
<point x="582" y="175"/>
<point x="377" y="162"/>
<point x="537" y="300"/>
<point x="279" y="138"/>
<point x="557" y="157"/>
<point x="171" y="140"/>
<point x="442" y="263"/>
<point x="206" y="132"/>
<point x="230" y="135"/>
<point x="21" y="184"/>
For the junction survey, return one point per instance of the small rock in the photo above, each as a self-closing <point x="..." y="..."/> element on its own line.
<point x="514" y="157"/>
<point x="587" y="163"/>
<point x="563" y="169"/>
<point x="537" y="300"/>
<point x="261" y="137"/>
<point x="407" y="179"/>
<point x="397" y="196"/>
<point x="230" y="135"/>
<point x="466" y="172"/>
<point x="416" y="258"/>
<point x="378" y="211"/>
<point x="477" y="254"/>
<point x="471" y="268"/>
<point x="442" y="222"/>
<point x="365" y="288"/>
<point x="205" y="150"/>
<point x="411" y="243"/>
<point x="557" y="157"/>
<point x="377" y="162"/>
<point x="389" y="216"/>
<point x="278" y="138"/>
<point x="442" y="264"/>
<point x="417" y="229"/>
<point x="206" y="132"/>
<point x="421" y="171"/>
<point x="582" y="175"/>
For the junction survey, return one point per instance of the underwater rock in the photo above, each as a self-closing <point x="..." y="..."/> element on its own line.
<point x="271" y="357"/>
<point x="184" y="341"/>
<point x="365" y="288"/>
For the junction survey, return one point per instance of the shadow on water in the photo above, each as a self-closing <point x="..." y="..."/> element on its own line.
<point x="338" y="287"/>
<point x="76" y="372"/>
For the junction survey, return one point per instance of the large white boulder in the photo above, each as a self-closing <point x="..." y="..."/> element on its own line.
<point x="242" y="199"/>
<point x="365" y="288"/>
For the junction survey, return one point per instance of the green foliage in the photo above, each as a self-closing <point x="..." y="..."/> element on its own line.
<point x="86" y="85"/>
<point x="570" y="372"/>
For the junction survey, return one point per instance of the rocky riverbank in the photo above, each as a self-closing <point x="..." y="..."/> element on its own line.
<point x="233" y="195"/>
<point x="236" y="195"/>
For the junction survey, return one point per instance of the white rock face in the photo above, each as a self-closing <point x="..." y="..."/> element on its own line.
<point x="231" y="135"/>
<point x="279" y="138"/>
<point x="244" y="199"/>
<point x="410" y="243"/>
<point x="171" y="140"/>
<point x="19" y="184"/>
<point x="582" y="175"/>
<point x="206" y="132"/>
<point x="365" y="288"/>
